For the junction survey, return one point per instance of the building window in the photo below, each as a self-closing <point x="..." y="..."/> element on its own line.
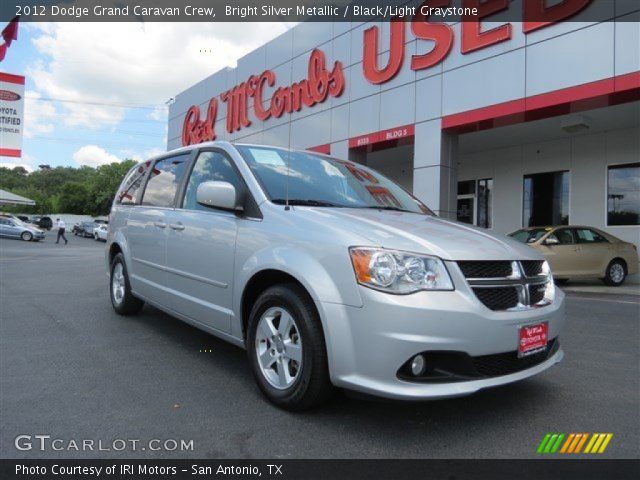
<point x="474" y="202"/>
<point x="623" y="194"/>
<point x="485" y="189"/>
<point x="546" y="199"/>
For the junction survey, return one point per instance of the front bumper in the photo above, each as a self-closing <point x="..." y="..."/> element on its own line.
<point x="368" y="345"/>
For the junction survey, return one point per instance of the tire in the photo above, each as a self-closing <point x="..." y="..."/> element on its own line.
<point x="309" y="379"/>
<point x="26" y="236"/>
<point x="95" y="237"/>
<point x="616" y="273"/>
<point x="122" y="300"/>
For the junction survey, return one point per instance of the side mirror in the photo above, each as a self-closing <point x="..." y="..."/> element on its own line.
<point x="217" y="195"/>
<point x="552" y="241"/>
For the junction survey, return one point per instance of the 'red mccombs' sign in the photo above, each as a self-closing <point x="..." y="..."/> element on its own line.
<point x="320" y="84"/>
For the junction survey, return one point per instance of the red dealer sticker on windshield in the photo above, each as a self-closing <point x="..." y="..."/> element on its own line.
<point x="533" y="339"/>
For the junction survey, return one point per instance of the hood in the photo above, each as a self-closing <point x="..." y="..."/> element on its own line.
<point x="423" y="234"/>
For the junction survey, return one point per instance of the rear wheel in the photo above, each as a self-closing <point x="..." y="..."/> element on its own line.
<point x="286" y="348"/>
<point x="123" y="301"/>
<point x="26" y="236"/>
<point x="616" y="273"/>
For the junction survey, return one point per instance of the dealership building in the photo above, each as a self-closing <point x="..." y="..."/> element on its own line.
<point x="497" y="123"/>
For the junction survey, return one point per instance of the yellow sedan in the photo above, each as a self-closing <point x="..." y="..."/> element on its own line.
<point x="582" y="252"/>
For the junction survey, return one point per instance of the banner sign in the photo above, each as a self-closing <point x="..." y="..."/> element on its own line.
<point x="11" y="114"/>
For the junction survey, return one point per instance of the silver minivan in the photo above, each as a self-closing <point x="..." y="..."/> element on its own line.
<point x="329" y="275"/>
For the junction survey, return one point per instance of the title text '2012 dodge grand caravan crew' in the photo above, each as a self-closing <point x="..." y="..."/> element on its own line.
<point x="329" y="274"/>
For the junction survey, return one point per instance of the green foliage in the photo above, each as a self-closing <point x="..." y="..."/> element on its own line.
<point x="84" y="190"/>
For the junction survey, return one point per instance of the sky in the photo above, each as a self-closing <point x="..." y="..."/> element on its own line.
<point x="97" y="92"/>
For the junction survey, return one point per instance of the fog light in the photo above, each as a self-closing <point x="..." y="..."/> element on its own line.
<point x="417" y="365"/>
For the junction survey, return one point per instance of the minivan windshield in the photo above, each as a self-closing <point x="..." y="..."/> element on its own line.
<point x="318" y="181"/>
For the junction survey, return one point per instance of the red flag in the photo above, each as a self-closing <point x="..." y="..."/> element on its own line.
<point x="3" y="51"/>
<point x="10" y="32"/>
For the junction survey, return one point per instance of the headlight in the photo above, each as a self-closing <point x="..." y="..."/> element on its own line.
<point x="550" y="288"/>
<point x="398" y="272"/>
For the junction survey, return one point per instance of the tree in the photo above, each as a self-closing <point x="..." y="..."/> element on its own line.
<point x="84" y="190"/>
<point x="105" y="183"/>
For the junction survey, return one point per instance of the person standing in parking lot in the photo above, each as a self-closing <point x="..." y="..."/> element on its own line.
<point x="61" y="228"/>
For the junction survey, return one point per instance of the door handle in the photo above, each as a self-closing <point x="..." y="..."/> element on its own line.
<point x="176" y="226"/>
<point x="160" y="224"/>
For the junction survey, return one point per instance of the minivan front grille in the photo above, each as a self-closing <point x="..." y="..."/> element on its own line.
<point x="481" y="269"/>
<point x="536" y="293"/>
<point x="505" y="284"/>
<point x="532" y="268"/>
<point x="497" y="298"/>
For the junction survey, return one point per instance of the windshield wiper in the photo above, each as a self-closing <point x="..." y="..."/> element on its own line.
<point x="387" y="207"/>
<point x="305" y="203"/>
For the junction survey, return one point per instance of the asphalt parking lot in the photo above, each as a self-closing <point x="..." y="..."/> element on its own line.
<point x="71" y="368"/>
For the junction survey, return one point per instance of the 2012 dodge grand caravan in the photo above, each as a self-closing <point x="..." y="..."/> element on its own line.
<point x="329" y="274"/>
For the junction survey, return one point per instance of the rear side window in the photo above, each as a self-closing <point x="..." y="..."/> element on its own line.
<point x="130" y="188"/>
<point x="586" y="235"/>
<point x="164" y="180"/>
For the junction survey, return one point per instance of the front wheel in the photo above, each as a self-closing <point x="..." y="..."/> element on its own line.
<point x="26" y="236"/>
<point x="616" y="273"/>
<point x="123" y="301"/>
<point x="286" y="348"/>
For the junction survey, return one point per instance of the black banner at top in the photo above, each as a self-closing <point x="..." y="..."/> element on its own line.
<point x="316" y="10"/>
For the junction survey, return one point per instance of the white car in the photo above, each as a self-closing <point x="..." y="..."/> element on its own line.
<point x="100" y="232"/>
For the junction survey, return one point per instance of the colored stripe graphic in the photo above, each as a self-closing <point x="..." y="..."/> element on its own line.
<point x="598" y="443"/>
<point x="605" y="443"/>
<point x="550" y="443"/>
<point x="567" y="442"/>
<point x="573" y="443"/>
<point x="544" y="443"/>
<point x="581" y="443"/>
<point x="555" y="447"/>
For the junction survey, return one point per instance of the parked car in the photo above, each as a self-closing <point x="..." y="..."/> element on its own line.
<point x="101" y="231"/>
<point x="24" y="218"/>
<point x="44" y="223"/>
<point x="84" y="229"/>
<point x="15" y="228"/>
<point x="329" y="274"/>
<point x="576" y="252"/>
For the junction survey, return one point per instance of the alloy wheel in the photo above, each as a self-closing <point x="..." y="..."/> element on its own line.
<point x="279" y="347"/>
<point x="117" y="283"/>
<point x="616" y="272"/>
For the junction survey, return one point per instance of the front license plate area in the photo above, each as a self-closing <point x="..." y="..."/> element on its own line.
<point x="532" y="339"/>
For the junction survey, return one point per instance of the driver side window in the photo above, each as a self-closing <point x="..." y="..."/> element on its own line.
<point x="210" y="166"/>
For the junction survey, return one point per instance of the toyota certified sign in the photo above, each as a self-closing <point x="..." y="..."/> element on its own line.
<point x="11" y="114"/>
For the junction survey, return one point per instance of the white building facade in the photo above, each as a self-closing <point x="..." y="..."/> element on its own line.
<point x="501" y="124"/>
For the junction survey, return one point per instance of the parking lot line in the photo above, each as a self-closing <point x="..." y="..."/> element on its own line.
<point x="595" y="299"/>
